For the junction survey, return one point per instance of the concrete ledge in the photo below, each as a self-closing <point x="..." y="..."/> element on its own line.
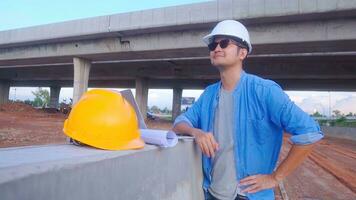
<point x="340" y="132"/>
<point x="71" y="172"/>
<point x="174" y="17"/>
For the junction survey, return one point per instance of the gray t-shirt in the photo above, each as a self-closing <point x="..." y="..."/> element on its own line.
<point x="224" y="185"/>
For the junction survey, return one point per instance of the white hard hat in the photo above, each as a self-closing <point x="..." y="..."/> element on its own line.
<point x="232" y="29"/>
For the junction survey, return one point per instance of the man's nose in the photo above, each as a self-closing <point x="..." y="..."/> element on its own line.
<point x="218" y="48"/>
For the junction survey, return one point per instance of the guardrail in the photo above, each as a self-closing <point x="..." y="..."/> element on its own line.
<point x="340" y="132"/>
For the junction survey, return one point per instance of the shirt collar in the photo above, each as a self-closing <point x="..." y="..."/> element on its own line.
<point x="237" y="88"/>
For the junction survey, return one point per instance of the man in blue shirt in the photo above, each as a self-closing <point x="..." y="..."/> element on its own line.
<point x="238" y="123"/>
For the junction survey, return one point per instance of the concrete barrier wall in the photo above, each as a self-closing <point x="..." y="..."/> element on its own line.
<point x="70" y="172"/>
<point x="340" y="132"/>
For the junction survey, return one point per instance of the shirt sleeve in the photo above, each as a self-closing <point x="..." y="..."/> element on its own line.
<point x="192" y="116"/>
<point x="285" y="114"/>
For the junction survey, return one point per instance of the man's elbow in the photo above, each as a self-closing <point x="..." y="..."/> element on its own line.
<point x="181" y="119"/>
<point x="175" y="128"/>
<point x="307" y="138"/>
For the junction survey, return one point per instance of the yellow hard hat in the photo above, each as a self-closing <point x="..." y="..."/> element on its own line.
<point x="104" y="119"/>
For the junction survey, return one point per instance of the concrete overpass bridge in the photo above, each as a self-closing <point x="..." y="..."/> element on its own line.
<point x="301" y="44"/>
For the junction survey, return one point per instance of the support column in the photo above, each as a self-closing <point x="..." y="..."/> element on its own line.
<point x="54" y="96"/>
<point x="81" y="77"/>
<point x="177" y="102"/>
<point x="142" y="95"/>
<point x="4" y="91"/>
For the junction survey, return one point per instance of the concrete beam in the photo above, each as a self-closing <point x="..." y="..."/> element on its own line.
<point x="4" y="91"/>
<point x="180" y="17"/>
<point x="346" y="85"/>
<point x="54" y="96"/>
<point x="60" y="172"/>
<point x="142" y="95"/>
<point x="288" y="84"/>
<point x="81" y="77"/>
<point x="177" y="102"/>
<point x="304" y="67"/>
<point x="122" y="48"/>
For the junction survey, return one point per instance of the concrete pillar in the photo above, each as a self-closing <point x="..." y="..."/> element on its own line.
<point x="4" y="91"/>
<point x="81" y="77"/>
<point x="54" y="96"/>
<point x="177" y="102"/>
<point x="142" y="95"/>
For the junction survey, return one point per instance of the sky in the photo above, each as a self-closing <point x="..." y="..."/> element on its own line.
<point x="24" y="13"/>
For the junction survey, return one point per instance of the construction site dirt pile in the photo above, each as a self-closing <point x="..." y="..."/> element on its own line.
<point x="17" y="107"/>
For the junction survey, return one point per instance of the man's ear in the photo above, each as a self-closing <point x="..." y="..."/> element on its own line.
<point x="243" y="53"/>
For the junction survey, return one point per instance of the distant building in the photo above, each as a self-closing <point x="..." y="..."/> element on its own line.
<point x="187" y="102"/>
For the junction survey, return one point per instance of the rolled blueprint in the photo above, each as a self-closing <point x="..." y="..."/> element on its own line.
<point x="162" y="138"/>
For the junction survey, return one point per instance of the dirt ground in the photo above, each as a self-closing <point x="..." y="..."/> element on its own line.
<point x="328" y="173"/>
<point x="22" y="125"/>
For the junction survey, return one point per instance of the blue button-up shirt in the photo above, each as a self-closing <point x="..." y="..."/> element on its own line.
<point x="261" y="112"/>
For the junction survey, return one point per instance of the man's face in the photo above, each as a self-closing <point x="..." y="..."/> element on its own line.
<point x="229" y="56"/>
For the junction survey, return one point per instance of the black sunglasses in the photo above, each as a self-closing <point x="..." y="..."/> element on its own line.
<point x="223" y="44"/>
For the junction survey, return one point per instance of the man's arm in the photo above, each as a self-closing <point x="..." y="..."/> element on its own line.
<point x="296" y="155"/>
<point x="205" y="141"/>
<point x="305" y="133"/>
<point x="189" y="123"/>
<point x="284" y="113"/>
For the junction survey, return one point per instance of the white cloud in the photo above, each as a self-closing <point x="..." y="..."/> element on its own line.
<point x="311" y="101"/>
<point x="346" y="105"/>
<point x="161" y="98"/>
<point x="313" y="104"/>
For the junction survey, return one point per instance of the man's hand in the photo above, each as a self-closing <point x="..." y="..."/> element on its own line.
<point x="206" y="142"/>
<point x="258" y="182"/>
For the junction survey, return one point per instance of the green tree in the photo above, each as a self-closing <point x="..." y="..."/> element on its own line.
<point x="341" y="121"/>
<point x="337" y="113"/>
<point x="165" y="110"/>
<point x="155" y="109"/>
<point x="349" y="115"/>
<point x="317" y="114"/>
<point x="28" y="102"/>
<point x="41" y="97"/>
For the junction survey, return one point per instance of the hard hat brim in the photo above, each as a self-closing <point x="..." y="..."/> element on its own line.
<point x="207" y="39"/>
<point x="129" y="145"/>
<point x="137" y="143"/>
